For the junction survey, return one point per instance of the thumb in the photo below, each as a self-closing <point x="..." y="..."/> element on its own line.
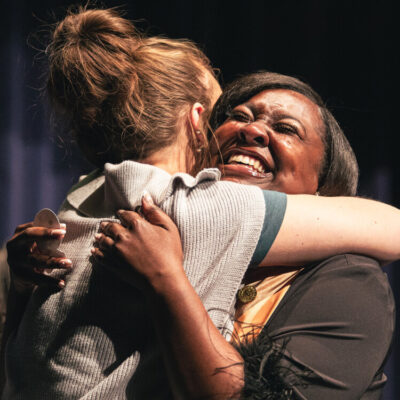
<point x="154" y="214"/>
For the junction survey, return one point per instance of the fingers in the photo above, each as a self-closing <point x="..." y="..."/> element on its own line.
<point x="147" y="199"/>
<point x="154" y="214"/>
<point x="40" y="278"/>
<point x="26" y="237"/>
<point x="38" y="232"/>
<point x="97" y="253"/>
<point x="27" y="276"/>
<point x="112" y="229"/>
<point x="35" y="268"/>
<point x="21" y="227"/>
<point x="42" y="261"/>
<point x="104" y="242"/>
<point x="128" y="218"/>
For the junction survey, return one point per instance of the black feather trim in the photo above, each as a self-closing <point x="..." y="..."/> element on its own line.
<point x="266" y="377"/>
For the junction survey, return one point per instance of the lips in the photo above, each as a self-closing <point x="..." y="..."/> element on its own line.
<point x="247" y="160"/>
<point x="254" y="163"/>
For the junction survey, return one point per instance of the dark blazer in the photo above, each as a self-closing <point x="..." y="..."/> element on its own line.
<point x="328" y="338"/>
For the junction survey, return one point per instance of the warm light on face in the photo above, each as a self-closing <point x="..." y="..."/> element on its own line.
<point x="272" y="141"/>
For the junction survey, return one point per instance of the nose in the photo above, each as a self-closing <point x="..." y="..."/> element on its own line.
<point x="254" y="134"/>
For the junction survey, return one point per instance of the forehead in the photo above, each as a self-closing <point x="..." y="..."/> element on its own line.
<point x="283" y="101"/>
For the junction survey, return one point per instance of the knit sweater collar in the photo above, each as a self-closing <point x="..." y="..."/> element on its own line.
<point x="120" y="186"/>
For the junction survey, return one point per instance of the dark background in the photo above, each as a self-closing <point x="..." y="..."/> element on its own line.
<point x="346" y="50"/>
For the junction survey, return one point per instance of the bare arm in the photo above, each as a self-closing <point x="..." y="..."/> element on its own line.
<point x="318" y="227"/>
<point x="199" y="361"/>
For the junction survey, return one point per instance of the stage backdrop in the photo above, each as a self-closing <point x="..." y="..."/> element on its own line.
<point x="346" y="50"/>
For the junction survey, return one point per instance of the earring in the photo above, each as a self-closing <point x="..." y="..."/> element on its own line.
<point x="201" y="146"/>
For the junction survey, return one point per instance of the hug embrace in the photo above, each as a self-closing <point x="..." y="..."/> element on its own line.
<point x="197" y="196"/>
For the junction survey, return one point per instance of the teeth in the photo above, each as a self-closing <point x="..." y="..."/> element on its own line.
<point x="248" y="161"/>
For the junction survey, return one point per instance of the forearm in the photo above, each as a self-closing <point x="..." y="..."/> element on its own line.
<point x="316" y="227"/>
<point x="201" y="364"/>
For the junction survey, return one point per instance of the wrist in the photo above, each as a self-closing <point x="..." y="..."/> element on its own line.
<point x="165" y="287"/>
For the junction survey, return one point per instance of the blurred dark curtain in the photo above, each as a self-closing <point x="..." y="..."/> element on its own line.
<point x="346" y="50"/>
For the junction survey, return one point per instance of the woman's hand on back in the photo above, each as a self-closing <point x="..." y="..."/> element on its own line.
<point x="146" y="250"/>
<point x="27" y="264"/>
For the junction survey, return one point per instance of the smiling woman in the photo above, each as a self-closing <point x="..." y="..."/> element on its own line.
<point x="143" y="103"/>
<point x="263" y="140"/>
<point x="305" y="328"/>
<point x="285" y="125"/>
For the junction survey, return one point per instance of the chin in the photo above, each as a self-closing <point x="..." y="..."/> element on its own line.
<point x="265" y="183"/>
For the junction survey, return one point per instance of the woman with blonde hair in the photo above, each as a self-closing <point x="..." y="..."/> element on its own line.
<point x="138" y="108"/>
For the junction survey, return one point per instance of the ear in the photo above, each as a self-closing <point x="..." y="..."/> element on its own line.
<point x="196" y="120"/>
<point x="195" y="115"/>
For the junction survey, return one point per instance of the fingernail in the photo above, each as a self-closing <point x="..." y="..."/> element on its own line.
<point x="103" y="224"/>
<point x="93" y="250"/>
<point x="58" y="232"/>
<point x="97" y="235"/>
<point x="63" y="226"/>
<point x="147" y="197"/>
<point x="119" y="212"/>
<point x="67" y="262"/>
<point x="61" y="284"/>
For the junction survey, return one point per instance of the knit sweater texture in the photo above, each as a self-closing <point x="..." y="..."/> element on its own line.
<point x="94" y="339"/>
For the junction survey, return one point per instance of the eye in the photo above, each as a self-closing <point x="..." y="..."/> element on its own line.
<point x="241" y="116"/>
<point x="283" y="127"/>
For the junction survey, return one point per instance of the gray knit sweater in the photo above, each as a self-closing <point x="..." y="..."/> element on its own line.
<point x="94" y="338"/>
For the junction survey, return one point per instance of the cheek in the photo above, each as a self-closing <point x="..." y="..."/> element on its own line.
<point x="289" y="147"/>
<point x="310" y="174"/>
<point x="299" y="168"/>
<point x="220" y="135"/>
<point x="224" y="136"/>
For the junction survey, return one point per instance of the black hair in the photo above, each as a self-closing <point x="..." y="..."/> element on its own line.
<point x="338" y="175"/>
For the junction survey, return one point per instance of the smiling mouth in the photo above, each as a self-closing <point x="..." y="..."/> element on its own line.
<point x="244" y="159"/>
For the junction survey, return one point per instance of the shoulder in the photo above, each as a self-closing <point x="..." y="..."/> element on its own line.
<point x="345" y="263"/>
<point x="208" y="182"/>
<point x="205" y="195"/>
<point x="344" y="297"/>
<point x="341" y="285"/>
<point x="337" y="322"/>
<point x="355" y="273"/>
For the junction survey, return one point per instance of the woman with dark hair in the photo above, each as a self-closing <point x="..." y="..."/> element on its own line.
<point x="338" y="175"/>
<point x="304" y="332"/>
<point x="144" y="102"/>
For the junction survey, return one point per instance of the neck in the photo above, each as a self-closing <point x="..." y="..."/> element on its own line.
<point x="171" y="159"/>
